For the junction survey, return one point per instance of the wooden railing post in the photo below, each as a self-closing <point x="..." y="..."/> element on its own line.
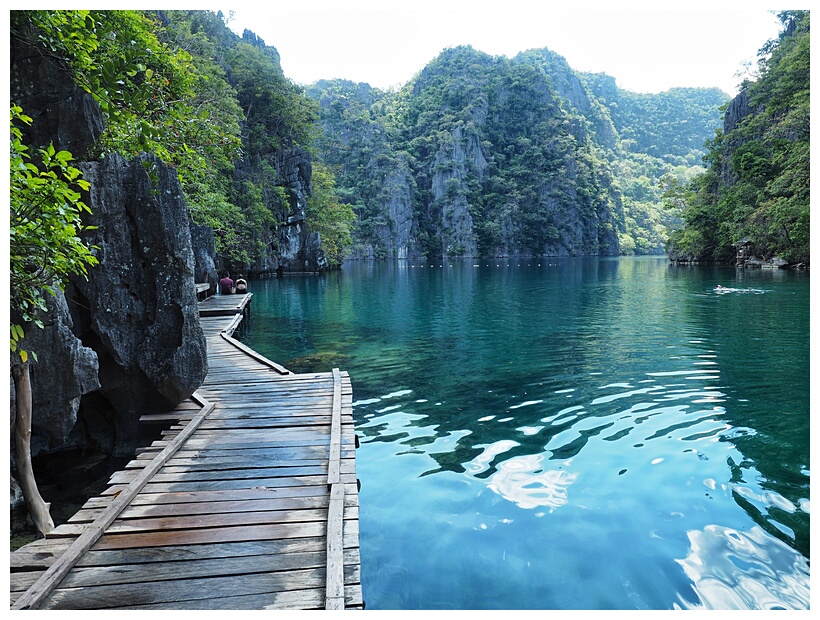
<point x="335" y="585"/>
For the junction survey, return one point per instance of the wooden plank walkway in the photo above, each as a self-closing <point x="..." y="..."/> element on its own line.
<point x="249" y="500"/>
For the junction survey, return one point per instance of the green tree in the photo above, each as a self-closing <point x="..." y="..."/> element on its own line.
<point x="45" y="248"/>
<point x="757" y="186"/>
<point x="327" y="216"/>
<point x="45" y="226"/>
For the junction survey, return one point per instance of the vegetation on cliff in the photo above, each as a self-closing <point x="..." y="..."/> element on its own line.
<point x="756" y="189"/>
<point x="44" y="227"/>
<point x="504" y="156"/>
<point x="217" y="107"/>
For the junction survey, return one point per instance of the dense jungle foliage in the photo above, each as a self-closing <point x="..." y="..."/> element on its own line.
<point x="756" y="189"/>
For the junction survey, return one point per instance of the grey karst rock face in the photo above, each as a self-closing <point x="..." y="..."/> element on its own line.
<point x="61" y="111"/>
<point x="136" y="344"/>
<point x="292" y="247"/>
<point x="55" y="392"/>
<point x="299" y="250"/>
<point x="398" y="234"/>
<point x="204" y="249"/>
<point x="451" y="168"/>
<point x="138" y="308"/>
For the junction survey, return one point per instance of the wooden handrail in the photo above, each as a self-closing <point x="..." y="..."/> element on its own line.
<point x="335" y="578"/>
<point x="261" y="358"/>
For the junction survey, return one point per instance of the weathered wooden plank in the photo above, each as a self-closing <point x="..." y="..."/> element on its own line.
<point x="220" y="567"/>
<point x="251" y="409"/>
<point x="174" y="555"/>
<point x="255" y="355"/>
<point x="227" y="519"/>
<point x="21" y="581"/>
<point x="307" y="599"/>
<point x="261" y="442"/>
<point x="263" y="454"/>
<point x="215" y="485"/>
<point x="266" y="422"/>
<point x="236" y="469"/>
<point x="212" y="535"/>
<point x="38" y="556"/>
<point x="201" y="567"/>
<point x="88" y="514"/>
<point x="184" y="521"/>
<point x="252" y="436"/>
<point x="156" y="510"/>
<point x="206" y="495"/>
<point x="303" y="455"/>
<point x="319" y="490"/>
<point x="124" y="477"/>
<point x="335" y="431"/>
<point x="237" y="462"/>
<point x="117" y="596"/>
<point x="312" y="599"/>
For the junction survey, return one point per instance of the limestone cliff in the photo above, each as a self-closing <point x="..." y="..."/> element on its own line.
<point x="127" y="340"/>
<point x="475" y="156"/>
<point x="137" y="309"/>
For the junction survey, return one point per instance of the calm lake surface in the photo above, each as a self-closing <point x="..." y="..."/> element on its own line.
<point x="566" y="433"/>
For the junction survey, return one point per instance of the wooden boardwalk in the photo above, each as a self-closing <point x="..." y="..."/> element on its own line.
<point x="249" y="500"/>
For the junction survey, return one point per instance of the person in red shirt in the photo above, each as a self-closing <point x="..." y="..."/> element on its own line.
<point x="226" y="284"/>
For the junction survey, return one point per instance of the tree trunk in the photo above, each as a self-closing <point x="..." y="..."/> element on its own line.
<point x="38" y="509"/>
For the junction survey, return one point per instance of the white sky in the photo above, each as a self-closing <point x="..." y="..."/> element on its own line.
<point x="386" y="43"/>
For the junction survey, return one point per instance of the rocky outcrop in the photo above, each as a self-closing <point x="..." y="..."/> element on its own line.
<point x="477" y="156"/>
<point x="56" y="393"/>
<point x="299" y="249"/>
<point x="571" y="89"/>
<point x="127" y="340"/>
<point x="61" y="111"/>
<point x="400" y="231"/>
<point x="737" y="111"/>
<point x="204" y="248"/>
<point x="291" y="247"/>
<point x="137" y="309"/>
<point x="456" y="159"/>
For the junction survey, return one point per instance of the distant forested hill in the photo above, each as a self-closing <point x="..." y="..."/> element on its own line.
<point x="491" y="156"/>
<point x="672" y="126"/>
<point x="756" y="190"/>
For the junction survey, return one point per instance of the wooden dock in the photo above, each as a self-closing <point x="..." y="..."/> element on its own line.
<point x="249" y="500"/>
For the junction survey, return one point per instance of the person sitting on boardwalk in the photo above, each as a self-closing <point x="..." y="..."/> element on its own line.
<point x="241" y="285"/>
<point x="226" y="284"/>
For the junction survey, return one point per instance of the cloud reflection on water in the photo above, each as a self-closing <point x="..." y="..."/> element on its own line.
<point x="744" y="570"/>
<point x="523" y="480"/>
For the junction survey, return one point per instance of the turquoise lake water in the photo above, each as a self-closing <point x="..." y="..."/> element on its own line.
<point x="588" y="433"/>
